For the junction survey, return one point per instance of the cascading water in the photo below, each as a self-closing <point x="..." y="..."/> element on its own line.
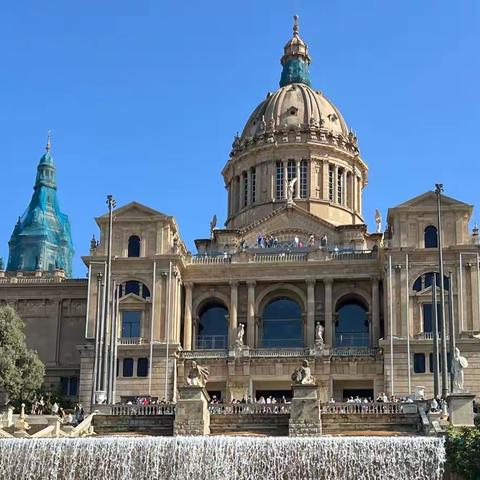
<point x="215" y="458"/>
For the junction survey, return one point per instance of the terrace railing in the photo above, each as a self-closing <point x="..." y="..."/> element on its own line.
<point x="376" y="408"/>
<point x="249" y="408"/>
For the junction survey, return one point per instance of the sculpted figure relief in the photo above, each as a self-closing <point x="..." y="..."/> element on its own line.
<point x="459" y="363"/>
<point x="303" y="375"/>
<point x="197" y="375"/>
<point x="319" y="333"/>
<point x="240" y="335"/>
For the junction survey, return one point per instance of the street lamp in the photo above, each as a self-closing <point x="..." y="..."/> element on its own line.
<point x="438" y="192"/>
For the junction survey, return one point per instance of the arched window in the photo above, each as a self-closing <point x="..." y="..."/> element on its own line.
<point x="253" y="185"/>
<point x="212" y="327"/>
<point x="245" y="189"/>
<point x="351" y="326"/>
<point x="282" y="324"/>
<point x="426" y="280"/>
<point x="431" y="237"/>
<point x="134" y="246"/>
<point x="135" y="287"/>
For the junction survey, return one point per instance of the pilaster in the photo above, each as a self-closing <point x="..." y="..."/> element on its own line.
<point x="251" y="314"/>
<point x="328" y="282"/>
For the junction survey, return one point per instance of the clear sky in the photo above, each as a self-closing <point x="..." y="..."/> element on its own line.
<point x="144" y="97"/>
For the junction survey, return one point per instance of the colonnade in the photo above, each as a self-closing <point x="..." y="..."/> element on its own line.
<point x="311" y="318"/>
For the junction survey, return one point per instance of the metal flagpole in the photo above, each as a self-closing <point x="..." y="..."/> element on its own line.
<point x="112" y="333"/>
<point x="111" y="205"/>
<point x="97" y="337"/>
<point x="438" y="191"/>
<point x="115" y="344"/>
<point x="460" y="294"/>
<point x="390" y="291"/>
<point x="167" y="327"/>
<point x="150" y="366"/>
<point x="409" y="376"/>
<point x="451" y="326"/>
<point x="436" y="373"/>
<point x="102" y="331"/>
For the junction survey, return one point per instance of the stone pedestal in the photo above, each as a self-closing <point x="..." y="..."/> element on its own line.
<point x="305" y="418"/>
<point x="191" y="412"/>
<point x="460" y="409"/>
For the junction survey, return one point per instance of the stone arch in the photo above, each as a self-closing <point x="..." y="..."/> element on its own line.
<point x="278" y="290"/>
<point x="352" y="326"/>
<point x="353" y="293"/>
<point x="203" y="299"/>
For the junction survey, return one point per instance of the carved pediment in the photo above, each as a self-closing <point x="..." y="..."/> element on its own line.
<point x="132" y="299"/>
<point x="429" y="200"/>
<point x="287" y="223"/>
<point x="134" y="211"/>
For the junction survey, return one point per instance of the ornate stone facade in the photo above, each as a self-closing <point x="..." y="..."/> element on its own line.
<point x="295" y="254"/>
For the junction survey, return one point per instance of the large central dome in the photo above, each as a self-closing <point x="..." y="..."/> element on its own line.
<point x="295" y="149"/>
<point x="294" y="106"/>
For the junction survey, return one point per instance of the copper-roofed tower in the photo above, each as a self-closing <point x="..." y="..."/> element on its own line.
<point x="41" y="239"/>
<point x="296" y="137"/>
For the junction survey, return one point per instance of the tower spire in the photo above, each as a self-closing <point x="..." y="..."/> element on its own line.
<point x="295" y="59"/>
<point x="48" y="147"/>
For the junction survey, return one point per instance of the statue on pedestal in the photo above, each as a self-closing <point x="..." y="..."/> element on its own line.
<point x="240" y="334"/>
<point x="290" y="188"/>
<point x="319" y="334"/>
<point x="303" y="375"/>
<point x="459" y="363"/>
<point x="197" y="375"/>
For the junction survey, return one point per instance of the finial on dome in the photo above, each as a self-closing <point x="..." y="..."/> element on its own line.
<point x="295" y="25"/>
<point x="295" y="59"/>
<point x="48" y="147"/>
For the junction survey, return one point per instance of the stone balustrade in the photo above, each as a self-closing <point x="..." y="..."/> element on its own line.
<point x="196" y="354"/>
<point x="131" y="341"/>
<point x="259" y="255"/>
<point x="368" y="408"/>
<point x="280" y="352"/>
<point x="146" y="410"/>
<point x="249" y="408"/>
<point x="354" y="351"/>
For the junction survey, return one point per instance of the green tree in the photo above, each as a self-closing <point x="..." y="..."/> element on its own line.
<point x="21" y="370"/>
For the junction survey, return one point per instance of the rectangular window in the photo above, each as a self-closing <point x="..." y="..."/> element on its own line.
<point x="253" y="181"/>
<point x="245" y="189"/>
<point x="280" y="185"/>
<point x="419" y="363"/>
<point x="331" y="175"/>
<point x="73" y="386"/>
<point x="340" y="186"/>
<point x="291" y="170"/>
<point x="142" y="367"/>
<point x="131" y="323"/>
<point x="128" y="367"/>
<point x="303" y="179"/>
<point x="427" y="318"/>
<point x="69" y="386"/>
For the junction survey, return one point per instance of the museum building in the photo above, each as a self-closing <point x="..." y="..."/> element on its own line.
<point x="294" y="274"/>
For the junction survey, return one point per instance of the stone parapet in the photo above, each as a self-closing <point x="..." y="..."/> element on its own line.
<point x="460" y="409"/>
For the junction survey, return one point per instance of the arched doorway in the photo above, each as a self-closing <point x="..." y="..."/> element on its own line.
<point x="351" y="324"/>
<point x="281" y="324"/>
<point x="212" y="332"/>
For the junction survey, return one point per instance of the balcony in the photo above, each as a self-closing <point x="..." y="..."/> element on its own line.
<point x="283" y="255"/>
<point x="354" y="352"/>
<point x="211" y="342"/>
<point x="132" y="341"/>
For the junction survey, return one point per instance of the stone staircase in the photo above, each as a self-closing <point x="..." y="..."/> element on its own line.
<point x="358" y="424"/>
<point x="258" y="424"/>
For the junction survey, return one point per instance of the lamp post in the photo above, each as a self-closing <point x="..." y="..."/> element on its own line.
<point x="438" y="192"/>
<point x="105" y="384"/>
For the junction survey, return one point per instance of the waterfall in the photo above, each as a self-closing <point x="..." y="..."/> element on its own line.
<point x="223" y="458"/>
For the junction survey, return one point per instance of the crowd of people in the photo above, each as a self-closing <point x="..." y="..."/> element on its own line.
<point x="270" y="399"/>
<point x="382" y="398"/>
<point x="69" y="417"/>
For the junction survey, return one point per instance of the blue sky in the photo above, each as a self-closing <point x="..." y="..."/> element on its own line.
<point x="143" y="98"/>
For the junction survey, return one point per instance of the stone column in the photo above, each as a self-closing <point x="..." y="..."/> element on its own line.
<point x="325" y="179"/>
<point x="251" y="314"/>
<point x="187" y="332"/>
<point x="328" y="282"/>
<point x="375" y="312"/>
<point x="297" y="193"/>
<point x="474" y="298"/>
<point x="233" y="312"/>
<point x="310" y="312"/>
<point x="335" y="185"/>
